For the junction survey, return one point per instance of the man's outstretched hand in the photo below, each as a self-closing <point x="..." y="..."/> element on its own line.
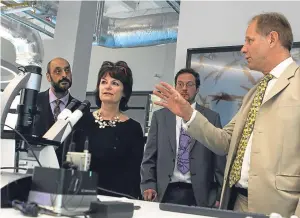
<point x="171" y="99"/>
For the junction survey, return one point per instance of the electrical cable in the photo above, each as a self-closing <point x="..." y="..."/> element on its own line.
<point x="27" y="143"/>
<point x="72" y="185"/>
<point x="23" y="69"/>
<point x="13" y="168"/>
<point x="65" y="201"/>
<point x="32" y="209"/>
<point x="116" y="193"/>
<point x="55" y="195"/>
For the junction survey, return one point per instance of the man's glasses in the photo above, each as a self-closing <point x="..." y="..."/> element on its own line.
<point x="188" y="84"/>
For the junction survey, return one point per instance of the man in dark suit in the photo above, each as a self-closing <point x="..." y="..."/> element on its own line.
<point x="52" y="101"/>
<point x="176" y="168"/>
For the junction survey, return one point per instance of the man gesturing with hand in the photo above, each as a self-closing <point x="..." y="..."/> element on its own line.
<point x="262" y="173"/>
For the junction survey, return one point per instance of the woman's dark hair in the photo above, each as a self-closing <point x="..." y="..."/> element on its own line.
<point x="119" y="71"/>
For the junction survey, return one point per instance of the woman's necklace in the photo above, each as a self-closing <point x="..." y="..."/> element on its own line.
<point x="103" y="123"/>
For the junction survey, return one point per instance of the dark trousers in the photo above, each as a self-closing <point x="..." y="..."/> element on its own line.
<point x="235" y="191"/>
<point x="179" y="193"/>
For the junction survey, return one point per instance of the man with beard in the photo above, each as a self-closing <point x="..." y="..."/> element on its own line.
<point x="51" y="102"/>
<point x="176" y="168"/>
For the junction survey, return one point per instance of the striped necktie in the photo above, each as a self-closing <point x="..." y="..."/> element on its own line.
<point x="56" y="110"/>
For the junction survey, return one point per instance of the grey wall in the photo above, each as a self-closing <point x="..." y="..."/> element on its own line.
<point x="144" y="62"/>
<point x="73" y="41"/>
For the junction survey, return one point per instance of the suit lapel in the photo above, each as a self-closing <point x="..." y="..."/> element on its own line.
<point x="279" y="86"/>
<point x="171" y="129"/>
<point x="47" y="108"/>
<point x="193" y="141"/>
<point x="46" y="119"/>
<point x="282" y="82"/>
<point x="70" y="99"/>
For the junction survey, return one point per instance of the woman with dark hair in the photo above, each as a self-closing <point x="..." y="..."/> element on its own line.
<point x="116" y="141"/>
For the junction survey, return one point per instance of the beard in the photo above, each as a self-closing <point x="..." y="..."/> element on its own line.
<point x="187" y="97"/>
<point x="57" y="85"/>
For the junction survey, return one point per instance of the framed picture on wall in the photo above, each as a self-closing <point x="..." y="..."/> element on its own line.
<point x="225" y="78"/>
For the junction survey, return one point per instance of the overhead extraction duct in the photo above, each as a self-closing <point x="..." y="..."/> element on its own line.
<point x="99" y="17"/>
<point x="147" y="30"/>
<point x="175" y="5"/>
<point x="14" y="8"/>
<point x="28" y="23"/>
<point x="27" y="41"/>
<point x="48" y="8"/>
<point x="138" y="31"/>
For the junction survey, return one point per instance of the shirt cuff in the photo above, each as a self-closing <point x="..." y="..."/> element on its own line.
<point x="186" y="125"/>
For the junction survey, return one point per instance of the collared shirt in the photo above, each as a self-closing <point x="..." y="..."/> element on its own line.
<point x="177" y="175"/>
<point x="276" y="72"/>
<point x="52" y="99"/>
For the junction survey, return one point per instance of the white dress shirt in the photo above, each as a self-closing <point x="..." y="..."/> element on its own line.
<point x="177" y="175"/>
<point x="276" y="72"/>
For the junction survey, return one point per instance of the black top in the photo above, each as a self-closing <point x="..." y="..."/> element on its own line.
<point x="116" y="155"/>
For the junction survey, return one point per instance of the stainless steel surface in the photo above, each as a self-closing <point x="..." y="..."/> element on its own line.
<point x="136" y="24"/>
<point x="139" y="31"/>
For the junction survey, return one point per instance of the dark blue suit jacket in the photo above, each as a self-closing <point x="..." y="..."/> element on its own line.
<point x="44" y="119"/>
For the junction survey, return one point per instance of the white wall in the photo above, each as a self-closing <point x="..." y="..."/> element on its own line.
<point x="8" y="53"/>
<point x="210" y="24"/>
<point x="144" y="62"/>
<point x="8" y="50"/>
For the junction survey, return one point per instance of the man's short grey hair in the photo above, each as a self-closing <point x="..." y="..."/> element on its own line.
<point x="273" y="21"/>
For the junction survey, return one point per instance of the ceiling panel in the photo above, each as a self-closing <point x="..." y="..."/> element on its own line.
<point x="113" y="9"/>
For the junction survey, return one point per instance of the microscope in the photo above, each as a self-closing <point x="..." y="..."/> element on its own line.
<point x="63" y="191"/>
<point x="29" y="85"/>
<point x="27" y="82"/>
